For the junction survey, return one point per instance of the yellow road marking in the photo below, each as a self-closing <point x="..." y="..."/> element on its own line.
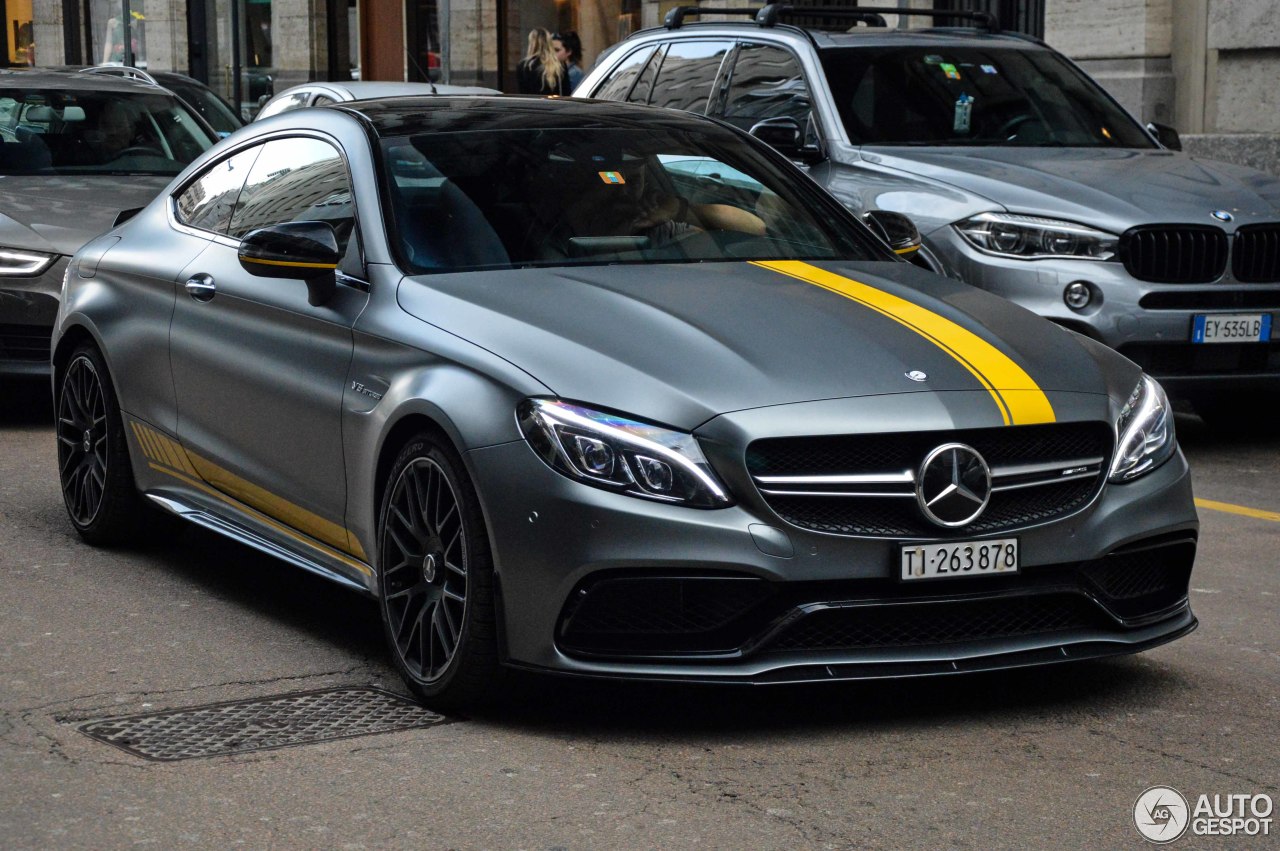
<point x="1244" y="511"/>
<point x="1019" y="398"/>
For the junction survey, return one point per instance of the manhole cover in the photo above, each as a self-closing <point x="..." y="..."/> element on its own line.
<point x="281" y="721"/>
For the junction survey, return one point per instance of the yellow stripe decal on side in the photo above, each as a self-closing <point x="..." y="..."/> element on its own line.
<point x="168" y="456"/>
<point x="1019" y="399"/>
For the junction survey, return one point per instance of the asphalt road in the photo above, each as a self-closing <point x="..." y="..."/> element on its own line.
<point x="1053" y="758"/>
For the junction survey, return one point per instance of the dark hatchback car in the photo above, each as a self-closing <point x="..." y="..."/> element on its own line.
<point x="75" y="151"/>
<point x="526" y="373"/>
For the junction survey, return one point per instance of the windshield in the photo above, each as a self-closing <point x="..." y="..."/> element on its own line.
<point x="61" y="132"/>
<point x="556" y="197"/>
<point x="934" y="95"/>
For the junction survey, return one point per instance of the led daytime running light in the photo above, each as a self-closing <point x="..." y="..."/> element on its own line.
<point x="21" y="263"/>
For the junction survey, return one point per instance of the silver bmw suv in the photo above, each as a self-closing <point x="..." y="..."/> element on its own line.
<point x="1022" y="175"/>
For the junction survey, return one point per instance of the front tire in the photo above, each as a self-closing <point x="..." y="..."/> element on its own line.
<point x="96" y="474"/>
<point x="435" y="579"/>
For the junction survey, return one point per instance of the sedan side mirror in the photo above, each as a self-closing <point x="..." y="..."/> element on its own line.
<point x="302" y="251"/>
<point x="1165" y="135"/>
<point x="895" y="229"/>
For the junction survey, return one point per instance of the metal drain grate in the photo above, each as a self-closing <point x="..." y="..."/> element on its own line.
<point x="283" y="721"/>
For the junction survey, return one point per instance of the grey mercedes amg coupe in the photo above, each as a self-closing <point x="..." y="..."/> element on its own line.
<point x="610" y="391"/>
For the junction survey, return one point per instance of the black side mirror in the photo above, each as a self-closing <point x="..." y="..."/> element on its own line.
<point x="898" y="231"/>
<point x="781" y="133"/>
<point x="302" y="251"/>
<point x="1165" y="135"/>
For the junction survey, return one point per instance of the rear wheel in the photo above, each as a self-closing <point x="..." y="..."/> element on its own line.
<point x="93" y="456"/>
<point x="435" y="579"/>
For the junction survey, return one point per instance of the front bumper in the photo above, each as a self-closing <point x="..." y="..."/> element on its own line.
<point x="572" y="564"/>
<point x="1149" y="323"/>
<point x="28" y="309"/>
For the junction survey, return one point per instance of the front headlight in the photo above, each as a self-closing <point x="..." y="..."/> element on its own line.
<point x="1144" y="432"/>
<point x="1034" y="238"/>
<point x="620" y="454"/>
<point x="21" y="263"/>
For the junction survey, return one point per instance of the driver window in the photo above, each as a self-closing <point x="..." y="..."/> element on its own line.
<point x="207" y="203"/>
<point x="296" y="180"/>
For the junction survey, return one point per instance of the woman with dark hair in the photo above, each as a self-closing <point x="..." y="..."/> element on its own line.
<point x="540" y="72"/>
<point x="568" y="48"/>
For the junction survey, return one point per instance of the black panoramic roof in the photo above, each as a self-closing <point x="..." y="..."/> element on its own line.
<point x="407" y="115"/>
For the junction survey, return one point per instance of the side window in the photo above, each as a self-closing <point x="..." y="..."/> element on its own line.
<point x="767" y="83"/>
<point x="207" y="203"/>
<point x="688" y="73"/>
<point x="644" y="86"/>
<point x="619" y="82"/>
<point x="296" y="180"/>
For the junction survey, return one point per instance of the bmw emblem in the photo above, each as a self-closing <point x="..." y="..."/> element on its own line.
<point x="953" y="485"/>
<point x="1221" y="215"/>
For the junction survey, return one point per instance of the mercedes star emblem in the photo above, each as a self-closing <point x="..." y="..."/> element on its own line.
<point x="954" y="485"/>
<point x="917" y="375"/>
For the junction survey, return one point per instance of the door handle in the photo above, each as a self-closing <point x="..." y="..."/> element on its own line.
<point x="200" y="287"/>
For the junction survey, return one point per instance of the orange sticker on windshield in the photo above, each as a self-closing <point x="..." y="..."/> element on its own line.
<point x="613" y="177"/>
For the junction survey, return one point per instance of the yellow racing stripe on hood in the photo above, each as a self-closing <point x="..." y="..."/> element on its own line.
<point x="1019" y="398"/>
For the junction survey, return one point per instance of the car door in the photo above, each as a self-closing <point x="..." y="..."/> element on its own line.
<point x="258" y="371"/>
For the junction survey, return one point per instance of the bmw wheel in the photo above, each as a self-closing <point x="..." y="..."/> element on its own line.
<point x="435" y="578"/>
<point x="93" y="455"/>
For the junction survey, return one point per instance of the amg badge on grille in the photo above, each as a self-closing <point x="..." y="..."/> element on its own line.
<point x="954" y="485"/>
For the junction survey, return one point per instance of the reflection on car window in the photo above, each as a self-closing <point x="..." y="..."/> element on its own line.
<point x="60" y="132"/>
<point x="620" y="81"/>
<point x="511" y="198"/>
<point x="284" y="103"/>
<point x="767" y="83"/>
<point x="296" y="180"/>
<point x="687" y="74"/>
<point x="973" y="96"/>
<point x="207" y="203"/>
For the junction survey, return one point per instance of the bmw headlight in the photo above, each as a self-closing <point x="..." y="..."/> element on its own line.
<point x="21" y="263"/>
<point x="619" y="454"/>
<point x="1032" y="238"/>
<point x="1144" y="432"/>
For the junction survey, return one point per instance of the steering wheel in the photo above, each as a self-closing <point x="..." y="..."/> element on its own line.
<point x="139" y="151"/>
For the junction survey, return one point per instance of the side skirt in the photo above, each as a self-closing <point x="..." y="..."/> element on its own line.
<point x="248" y="527"/>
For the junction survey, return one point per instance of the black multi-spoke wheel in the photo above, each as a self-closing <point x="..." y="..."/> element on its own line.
<point x="435" y="577"/>
<point x="93" y="457"/>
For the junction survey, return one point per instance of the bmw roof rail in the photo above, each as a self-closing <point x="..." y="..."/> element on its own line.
<point x="675" y="18"/>
<point x="769" y="15"/>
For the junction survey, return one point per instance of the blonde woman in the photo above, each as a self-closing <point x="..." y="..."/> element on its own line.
<point x="541" y="72"/>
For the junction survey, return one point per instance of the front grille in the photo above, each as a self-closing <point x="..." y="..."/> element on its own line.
<point x="939" y="622"/>
<point x="1175" y="254"/>
<point x="889" y="509"/>
<point x="25" y="342"/>
<point x="1256" y="255"/>
<point x="1164" y="360"/>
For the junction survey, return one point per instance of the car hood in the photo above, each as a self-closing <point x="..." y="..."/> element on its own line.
<point x="680" y="344"/>
<point x="60" y="214"/>
<point x="1111" y="189"/>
